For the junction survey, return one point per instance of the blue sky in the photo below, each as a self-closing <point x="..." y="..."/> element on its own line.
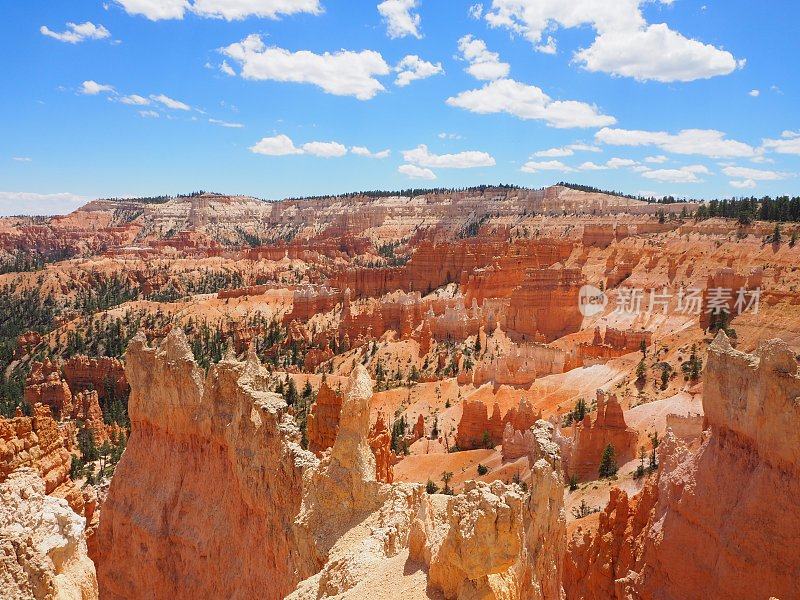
<point x="279" y="98"/>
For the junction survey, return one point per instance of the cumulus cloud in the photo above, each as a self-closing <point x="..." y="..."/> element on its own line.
<point x="325" y="149"/>
<point x="612" y="163"/>
<point x="529" y="102"/>
<point x="483" y="64"/>
<point x="687" y="174"/>
<point x="363" y="151"/>
<point x="412" y="67"/>
<point x="77" y="32"/>
<point x="554" y="153"/>
<point x="547" y="165"/>
<point x="548" y="47"/>
<point x="282" y="145"/>
<point x="229" y="10"/>
<point x="705" y="142"/>
<point x="616" y="163"/>
<point x="754" y="93"/>
<point x="149" y="114"/>
<point x="342" y="73"/>
<point x="746" y="184"/>
<point x="568" y="150"/>
<point x="279" y="145"/>
<point x="92" y="88"/>
<point x="415" y="172"/>
<point x="789" y="143"/>
<point x="656" y="160"/>
<point x="170" y="102"/>
<point x="227" y="69"/>
<point x="31" y="203"/>
<point x="400" y="19"/>
<point x="755" y="174"/>
<point x="475" y="11"/>
<point x="422" y="157"/>
<point x="625" y="44"/>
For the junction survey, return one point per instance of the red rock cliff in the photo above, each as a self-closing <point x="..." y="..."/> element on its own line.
<point x="721" y="523"/>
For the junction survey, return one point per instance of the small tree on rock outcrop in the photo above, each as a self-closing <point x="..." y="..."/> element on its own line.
<point x="608" y="463"/>
<point x="446" y="477"/>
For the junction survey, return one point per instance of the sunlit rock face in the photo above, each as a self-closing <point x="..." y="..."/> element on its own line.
<point x="721" y="522"/>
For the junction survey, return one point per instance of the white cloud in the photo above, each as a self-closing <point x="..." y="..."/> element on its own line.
<point x="483" y="64"/>
<point x="342" y="73"/>
<point x="325" y="149"/>
<point x="363" y="151"/>
<point x="686" y="174"/>
<point x="170" y="102"/>
<point x="227" y="124"/>
<point x="399" y="18"/>
<point x="555" y="152"/>
<point x="149" y="114"/>
<point x="227" y="69"/>
<point x="590" y="166"/>
<point x="155" y="9"/>
<point x="788" y="144"/>
<point x="412" y="67"/>
<point x="616" y="163"/>
<point x="547" y="165"/>
<point x="282" y="145"/>
<point x="422" y="157"/>
<point x="549" y="47"/>
<point x="705" y="142"/>
<point x="92" y="88"/>
<point x="529" y="102"/>
<point x="22" y="158"/>
<point x="219" y="9"/>
<point x="450" y="136"/>
<point x="656" y="160"/>
<point x="31" y="203"/>
<point x="755" y="174"/>
<point x="581" y="147"/>
<point x="415" y="172"/>
<point x="475" y="11"/>
<point x="625" y="44"/>
<point x="745" y="184"/>
<point x="754" y="93"/>
<point x="77" y="32"/>
<point x="613" y="163"/>
<point x="279" y="145"/>
<point x="656" y="53"/>
<point x="135" y="100"/>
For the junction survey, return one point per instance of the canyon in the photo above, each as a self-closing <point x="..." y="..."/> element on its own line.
<point x="399" y="396"/>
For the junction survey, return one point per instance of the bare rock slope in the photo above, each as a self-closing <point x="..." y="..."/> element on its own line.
<point x="215" y="497"/>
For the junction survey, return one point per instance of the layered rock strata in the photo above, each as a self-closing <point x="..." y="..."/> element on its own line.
<point x="722" y="522"/>
<point x="214" y="497"/>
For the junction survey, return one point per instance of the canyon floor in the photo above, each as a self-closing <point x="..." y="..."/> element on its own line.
<point x="485" y="393"/>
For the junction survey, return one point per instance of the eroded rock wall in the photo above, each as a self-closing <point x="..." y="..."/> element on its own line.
<point x="42" y="547"/>
<point x="202" y="502"/>
<point x="722" y="522"/>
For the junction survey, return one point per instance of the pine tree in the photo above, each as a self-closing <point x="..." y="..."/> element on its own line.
<point x="608" y="463"/>
<point x="641" y="371"/>
<point x="446" y="477"/>
<point x="291" y="393"/>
